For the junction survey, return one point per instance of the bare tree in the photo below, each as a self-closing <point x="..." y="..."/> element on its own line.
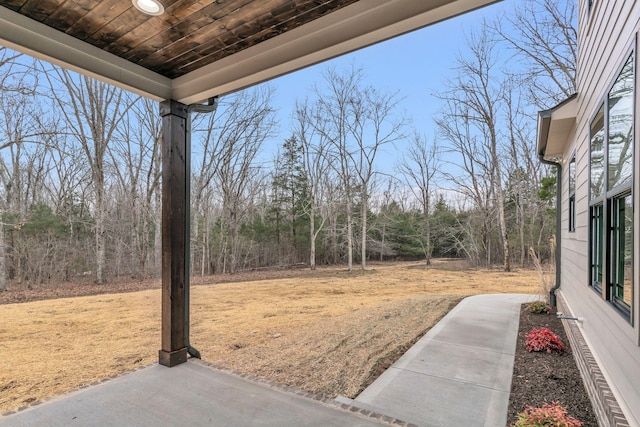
<point x="543" y="35"/>
<point x="374" y="126"/>
<point x="523" y="181"/>
<point x="146" y="114"/>
<point x="16" y="73"/>
<point x="316" y="170"/>
<point x="3" y="252"/>
<point x="471" y="175"/>
<point x="357" y="121"/>
<point x="231" y="140"/>
<point x="21" y="169"/>
<point x="134" y="155"/>
<point x="93" y="111"/>
<point x="419" y="167"/>
<point x="206" y="151"/>
<point x="333" y="110"/>
<point x="67" y="189"/>
<point x="474" y="98"/>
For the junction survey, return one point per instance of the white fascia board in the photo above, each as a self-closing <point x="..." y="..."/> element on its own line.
<point x="40" y="41"/>
<point x="353" y="27"/>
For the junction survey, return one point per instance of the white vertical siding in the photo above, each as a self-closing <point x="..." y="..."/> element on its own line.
<point x="605" y="37"/>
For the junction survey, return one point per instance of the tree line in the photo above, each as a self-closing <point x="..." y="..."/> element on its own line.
<point x="80" y="167"/>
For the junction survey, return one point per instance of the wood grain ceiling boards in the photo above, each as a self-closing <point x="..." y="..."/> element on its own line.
<point x="189" y="35"/>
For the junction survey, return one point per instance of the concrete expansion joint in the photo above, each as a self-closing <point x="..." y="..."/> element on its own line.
<point x="487" y="350"/>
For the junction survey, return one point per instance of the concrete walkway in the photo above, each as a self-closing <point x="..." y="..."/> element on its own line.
<point x="459" y="374"/>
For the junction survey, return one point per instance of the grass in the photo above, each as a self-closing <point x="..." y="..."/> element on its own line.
<point x="324" y="333"/>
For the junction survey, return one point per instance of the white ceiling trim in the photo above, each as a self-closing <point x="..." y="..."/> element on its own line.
<point x="40" y="41"/>
<point x="361" y="24"/>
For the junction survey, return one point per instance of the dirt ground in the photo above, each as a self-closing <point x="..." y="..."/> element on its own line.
<point x="325" y="331"/>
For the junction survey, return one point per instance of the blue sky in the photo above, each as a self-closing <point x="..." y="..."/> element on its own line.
<point x="416" y="65"/>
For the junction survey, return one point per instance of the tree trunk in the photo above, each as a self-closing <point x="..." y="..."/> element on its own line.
<point x="157" y="237"/>
<point x="363" y="261"/>
<point x="426" y="198"/>
<point x="3" y="273"/>
<point x="100" y="232"/>
<point x="503" y="228"/>
<point x="384" y="229"/>
<point x="522" y="234"/>
<point x="349" y="236"/>
<point x="312" y="238"/>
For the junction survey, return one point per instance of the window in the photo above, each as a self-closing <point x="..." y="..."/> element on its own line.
<point x="611" y="193"/>
<point x="621" y="251"/>
<point x="572" y="194"/>
<point x="596" y="208"/>
<point x="596" y="229"/>
<point x="597" y="155"/>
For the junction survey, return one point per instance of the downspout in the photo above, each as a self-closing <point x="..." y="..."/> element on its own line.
<point x="546" y="115"/>
<point x="210" y="107"/>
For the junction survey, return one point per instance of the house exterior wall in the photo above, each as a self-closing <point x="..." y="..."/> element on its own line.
<point x="608" y="33"/>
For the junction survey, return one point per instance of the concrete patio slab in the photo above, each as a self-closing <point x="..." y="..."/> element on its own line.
<point x="191" y="394"/>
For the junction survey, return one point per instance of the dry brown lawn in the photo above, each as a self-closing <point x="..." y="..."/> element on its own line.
<point x="326" y="332"/>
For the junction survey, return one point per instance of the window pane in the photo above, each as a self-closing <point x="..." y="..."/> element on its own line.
<point x="572" y="176"/>
<point x="622" y="250"/>
<point x="572" y="213"/>
<point x="596" y="245"/>
<point x="621" y="127"/>
<point x="572" y="194"/>
<point x="597" y="154"/>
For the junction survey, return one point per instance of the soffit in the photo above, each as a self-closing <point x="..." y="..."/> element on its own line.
<point x="555" y="127"/>
<point x="202" y="48"/>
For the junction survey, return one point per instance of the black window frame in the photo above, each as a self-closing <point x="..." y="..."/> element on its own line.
<point x="572" y="195"/>
<point x="596" y="246"/>
<point x="606" y="252"/>
<point x="617" y="246"/>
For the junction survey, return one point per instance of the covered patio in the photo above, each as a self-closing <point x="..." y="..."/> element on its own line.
<point x="187" y="52"/>
<point x="184" y="53"/>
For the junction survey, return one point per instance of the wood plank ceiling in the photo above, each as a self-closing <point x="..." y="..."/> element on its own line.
<point x="189" y="35"/>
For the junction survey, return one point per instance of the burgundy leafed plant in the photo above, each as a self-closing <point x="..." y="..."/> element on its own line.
<point x="549" y="415"/>
<point x="543" y="339"/>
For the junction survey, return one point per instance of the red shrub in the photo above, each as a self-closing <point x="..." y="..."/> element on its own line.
<point x="548" y="415"/>
<point x="543" y="339"/>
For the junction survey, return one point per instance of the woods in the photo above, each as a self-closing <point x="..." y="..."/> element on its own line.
<point x="80" y="167"/>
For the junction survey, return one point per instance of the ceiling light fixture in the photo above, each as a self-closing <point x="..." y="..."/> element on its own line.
<point x="150" y="7"/>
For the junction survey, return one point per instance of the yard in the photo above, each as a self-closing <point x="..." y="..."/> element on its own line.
<point x="327" y="331"/>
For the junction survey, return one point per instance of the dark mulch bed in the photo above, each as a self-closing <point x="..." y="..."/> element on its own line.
<point x="540" y="378"/>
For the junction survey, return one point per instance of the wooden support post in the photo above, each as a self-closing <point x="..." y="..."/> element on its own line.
<point x="175" y="222"/>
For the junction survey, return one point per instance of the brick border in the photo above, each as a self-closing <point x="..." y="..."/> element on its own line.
<point x="606" y="407"/>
